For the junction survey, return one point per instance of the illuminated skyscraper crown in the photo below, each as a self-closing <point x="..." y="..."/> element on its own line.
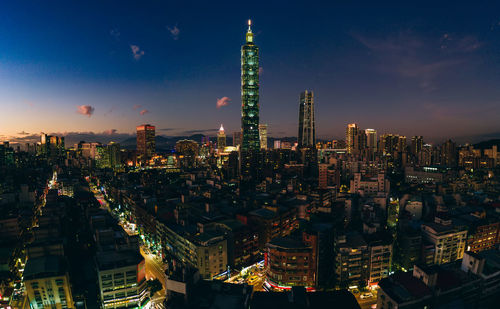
<point x="249" y="32"/>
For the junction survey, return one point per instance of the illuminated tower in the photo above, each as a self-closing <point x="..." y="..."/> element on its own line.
<point x="351" y="135"/>
<point x="371" y="140"/>
<point x="263" y="136"/>
<point x="146" y="143"/>
<point x="307" y="131"/>
<point x="250" y="94"/>
<point x="221" y="139"/>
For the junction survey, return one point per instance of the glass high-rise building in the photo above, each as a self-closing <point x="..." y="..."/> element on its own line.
<point x="250" y="94"/>
<point x="371" y="140"/>
<point x="146" y="143"/>
<point x="350" y="136"/>
<point x="307" y="130"/>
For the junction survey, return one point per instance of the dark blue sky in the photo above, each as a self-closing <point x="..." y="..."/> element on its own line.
<point x="427" y="70"/>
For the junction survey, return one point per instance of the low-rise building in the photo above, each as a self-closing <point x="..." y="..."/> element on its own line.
<point x="437" y="286"/>
<point x="291" y="262"/>
<point x="122" y="279"/>
<point x="47" y="282"/>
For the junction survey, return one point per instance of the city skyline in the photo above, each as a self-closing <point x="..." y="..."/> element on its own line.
<point x="410" y="75"/>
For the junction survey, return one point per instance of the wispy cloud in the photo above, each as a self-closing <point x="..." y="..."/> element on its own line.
<point x="85" y="110"/>
<point x="115" y="33"/>
<point x="423" y="59"/>
<point x="29" y="103"/>
<point x="174" y="32"/>
<point x="137" y="106"/>
<point x="23" y="133"/>
<point x="168" y="129"/>
<point x="137" y="52"/>
<point x="144" y="112"/>
<point x="459" y="44"/>
<point x="224" y="101"/>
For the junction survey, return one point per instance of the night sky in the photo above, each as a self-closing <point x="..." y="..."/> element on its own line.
<point x="107" y="66"/>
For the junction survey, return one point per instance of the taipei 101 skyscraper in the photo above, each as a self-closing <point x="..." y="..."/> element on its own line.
<point x="250" y="94"/>
<point x="250" y="156"/>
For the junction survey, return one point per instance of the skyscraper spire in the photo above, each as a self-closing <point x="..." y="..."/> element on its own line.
<point x="250" y="94"/>
<point x="249" y="32"/>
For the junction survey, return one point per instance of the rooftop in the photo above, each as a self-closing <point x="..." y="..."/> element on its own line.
<point x="45" y="267"/>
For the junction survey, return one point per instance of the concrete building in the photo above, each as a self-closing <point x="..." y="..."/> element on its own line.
<point x="291" y="262"/>
<point x="366" y="185"/>
<point x="448" y="240"/>
<point x="122" y="279"/>
<point x="352" y="257"/>
<point x="47" y="283"/>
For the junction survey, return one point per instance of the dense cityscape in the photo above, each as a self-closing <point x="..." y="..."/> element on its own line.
<point x="373" y="219"/>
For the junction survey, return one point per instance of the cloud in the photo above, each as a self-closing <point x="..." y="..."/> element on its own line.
<point x="144" y="111"/>
<point x="137" y="106"/>
<point x="456" y="44"/>
<point x="23" y="133"/>
<point x="29" y="103"/>
<point x="224" y="101"/>
<point x="137" y="52"/>
<point x="174" y="32"/>
<point x="86" y="110"/>
<point x="115" y="33"/>
<point x="416" y="57"/>
<point x="168" y="129"/>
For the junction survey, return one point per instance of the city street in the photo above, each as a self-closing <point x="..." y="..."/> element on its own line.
<point x="253" y="275"/>
<point x="154" y="266"/>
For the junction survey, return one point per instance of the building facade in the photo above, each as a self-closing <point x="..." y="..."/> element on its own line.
<point x="146" y="144"/>
<point x="263" y="136"/>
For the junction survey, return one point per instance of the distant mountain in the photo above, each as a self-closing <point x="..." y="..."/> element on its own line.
<point x="163" y="143"/>
<point x="167" y="143"/>
<point x="487" y="144"/>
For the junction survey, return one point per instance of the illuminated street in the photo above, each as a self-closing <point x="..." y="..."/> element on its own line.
<point x="154" y="267"/>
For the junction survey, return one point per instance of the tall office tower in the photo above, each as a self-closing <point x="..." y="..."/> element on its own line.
<point x="146" y="144"/>
<point x="417" y="143"/>
<point x="250" y="158"/>
<point x="351" y="134"/>
<point x="221" y="139"/>
<point x="371" y="140"/>
<point x="263" y="136"/>
<point x="250" y="93"/>
<point x="307" y="131"/>
<point x="401" y="145"/>
<point x="449" y="153"/>
<point x="237" y="139"/>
